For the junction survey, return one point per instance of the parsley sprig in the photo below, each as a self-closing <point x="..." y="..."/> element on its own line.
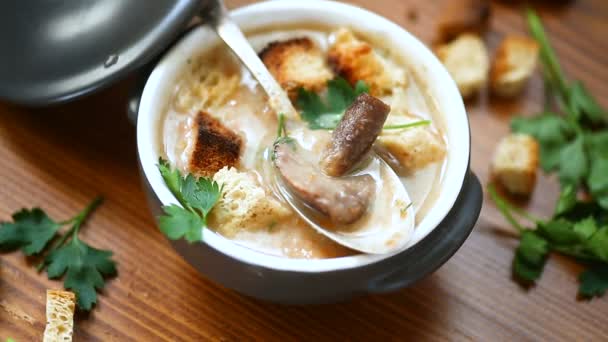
<point x="326" y="113"/>
<point x="572" y="135"/>
<point x="84" y="267"/>
<point x="197" y="197"/>
<point x="571" y="130"/>
<point x="580" y="230"/>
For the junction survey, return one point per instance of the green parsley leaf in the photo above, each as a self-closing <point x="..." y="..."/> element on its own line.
<point x="179" y="222"/>
<point x="598" y="244"/>
<point x="327" y="115"/>
<point x="84" y="266"/>
<point x="594" y="281"/>
<point x="559" y="232"/>
<point x="340" y="94"/>
<point x="201" y="194"/>
<point x="530" y="257"/>
<point x="31" y="230"/>
<point x="197" y="196"/>
<point x="567" y="200"/>
<point x="585" y="228"/>
<point x="598" y="181"/>
<point x="573" y="166"/>
<point x="533" y="248"/>
<point x="595" y="143"/>
<point x="582" y="105"/>
<point x="172" y="177"/>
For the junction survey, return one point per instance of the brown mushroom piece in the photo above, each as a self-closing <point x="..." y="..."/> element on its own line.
<point x="356" y="133"/>
<point x="343" y="200"/>
<point x="325" y="187"/>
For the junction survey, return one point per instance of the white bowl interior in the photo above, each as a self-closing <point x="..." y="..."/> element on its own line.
<point x="440" y="85"/>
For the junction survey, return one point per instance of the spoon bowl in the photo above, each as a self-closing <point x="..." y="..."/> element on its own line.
<point x="386" y="227"/>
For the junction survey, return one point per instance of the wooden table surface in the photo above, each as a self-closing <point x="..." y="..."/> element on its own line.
<point x="60" y="158"/>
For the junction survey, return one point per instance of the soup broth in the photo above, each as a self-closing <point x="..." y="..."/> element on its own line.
<point x="218" y="84"/>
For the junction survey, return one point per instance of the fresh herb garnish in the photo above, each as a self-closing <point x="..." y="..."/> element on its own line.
<point x="594" y="281"/>
<point x="585" y="239"/>
<point x="405" y="208"/>
<point x="281" y="130"/>
<point x="409" y="125"/>
<point x="196" y="196"/>
<point x="572" y="129"/>
<point x="31" y="230"/>
<point x="572" y="135"/>
<point x="84" y="267"/>
<point x="326" y="114"/>
<point x="282" y="137"/>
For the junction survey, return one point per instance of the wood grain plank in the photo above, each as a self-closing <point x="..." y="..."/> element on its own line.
<point x="61" y="157"/>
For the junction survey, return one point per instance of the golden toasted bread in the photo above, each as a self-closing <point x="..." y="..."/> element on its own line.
<point x="216" y="146"/>
<point x="244" y="204"/>
<point x="414" y="148"/>
<point x="296" y="63"/>
<point x="515" y="163"/>
<point x="355" y="60"/>
<point x="60" y="307"/>
<point x="514" y="63"/>
<point x="467" y="61"/>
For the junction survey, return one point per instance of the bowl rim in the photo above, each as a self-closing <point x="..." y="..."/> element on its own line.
<point x="438" y="82"/>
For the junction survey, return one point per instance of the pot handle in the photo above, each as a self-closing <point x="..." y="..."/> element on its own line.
<point x="437" y="248"/>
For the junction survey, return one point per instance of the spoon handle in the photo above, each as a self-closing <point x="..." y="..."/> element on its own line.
<point x="234" y="38"/>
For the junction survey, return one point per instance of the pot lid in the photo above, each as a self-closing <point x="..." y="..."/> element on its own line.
<point x="55" y="51"/>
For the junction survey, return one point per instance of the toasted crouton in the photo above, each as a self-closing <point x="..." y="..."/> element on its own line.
<point x="244" y="204"/>
<point x="414" y="148"/>
<point x="59" y="316"/>
<point x="515" y="163"/>
<point x="214" y="146"/>
<point x="463" y="16"/>
<point x="210" y="84"/>
<point x="297" y="63"/>
<point x="466" y="59"/>
<point x="513" y="65"/>
<point x="355" y="60"/>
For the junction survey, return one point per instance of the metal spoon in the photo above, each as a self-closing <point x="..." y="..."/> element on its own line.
<point x="232" y="35"/>
<point x="375" y="234"/>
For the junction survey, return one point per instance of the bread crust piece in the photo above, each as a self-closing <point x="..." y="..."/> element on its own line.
<point x="244" y="204"/>
<point x="415" y="148"/>
<point x="60" y="307"/>
<point x="216" y="146"/>
<point x="463" y="16"/>
<point x="514" y="63"/>
<point x="355" y="59"/>
<point x="297" y="63"/>
<point x="515" y="163"/>
<point x="467" y="61"/>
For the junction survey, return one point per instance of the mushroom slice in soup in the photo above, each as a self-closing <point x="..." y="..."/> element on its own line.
<point x="355" y="134"/>
<point x="343" y="200"/>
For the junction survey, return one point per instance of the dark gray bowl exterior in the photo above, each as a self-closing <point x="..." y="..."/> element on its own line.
<point x="390" y="274"/>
